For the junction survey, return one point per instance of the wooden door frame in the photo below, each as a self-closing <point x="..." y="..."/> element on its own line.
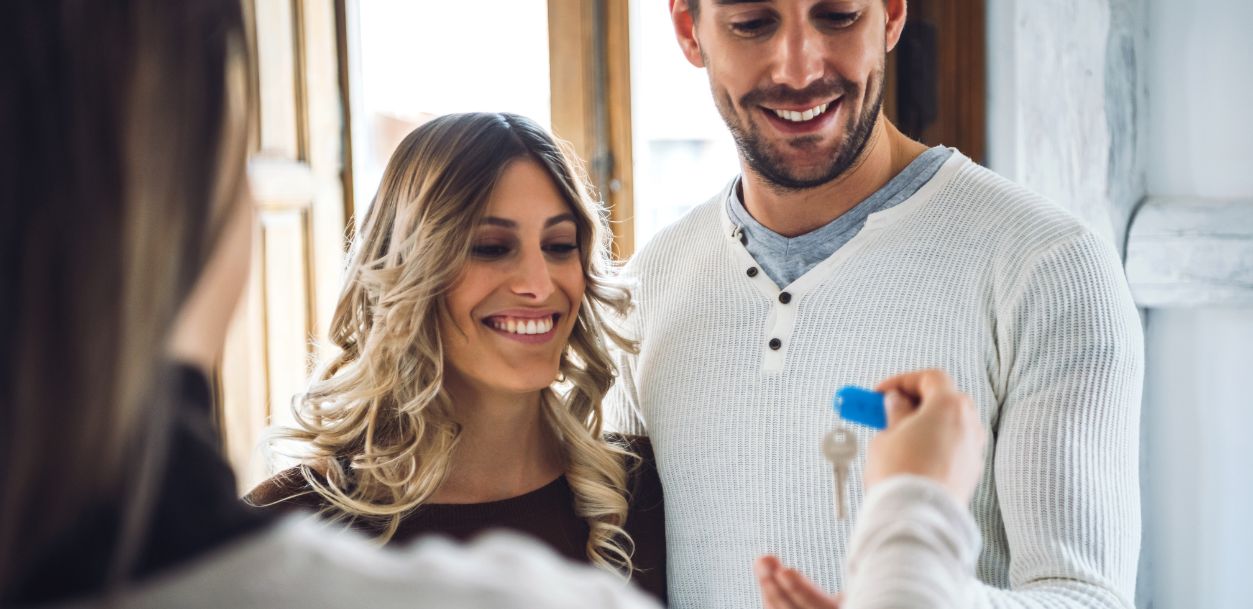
<point x="961" y="74"/>
<point x="590" y="76"/>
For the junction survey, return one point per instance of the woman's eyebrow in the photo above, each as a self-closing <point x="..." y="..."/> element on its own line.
<point x="566" y="217"/>
<point x="507" y="223"/>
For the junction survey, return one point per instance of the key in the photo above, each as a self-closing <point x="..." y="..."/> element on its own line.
<point x="839" y="446"/>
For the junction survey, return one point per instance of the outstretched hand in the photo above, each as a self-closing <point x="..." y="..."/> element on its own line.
<point x="933" y="431"/>
<point x="785" y="588"/>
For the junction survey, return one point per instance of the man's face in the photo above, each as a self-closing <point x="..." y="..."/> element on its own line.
<point x="798" y="82"/>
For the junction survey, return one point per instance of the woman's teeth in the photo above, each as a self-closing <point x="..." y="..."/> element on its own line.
<point x="800" y="117"/>
<point x="523" y="326"/>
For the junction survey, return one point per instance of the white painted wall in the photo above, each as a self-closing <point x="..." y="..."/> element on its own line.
<point x="1198" y="409"/>
<point x="1198" y="456"/>
<point x="1201" y="86"/>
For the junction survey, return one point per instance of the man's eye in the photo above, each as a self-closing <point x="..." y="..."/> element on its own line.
<point x="752" y="27"/>
<point x="840" y="19"/>
<point x="489" y="251"/>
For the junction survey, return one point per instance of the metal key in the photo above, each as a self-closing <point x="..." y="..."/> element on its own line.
<point x="839" y="446"/>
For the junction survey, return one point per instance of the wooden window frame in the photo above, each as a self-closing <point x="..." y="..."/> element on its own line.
<point x="590" y="68"/>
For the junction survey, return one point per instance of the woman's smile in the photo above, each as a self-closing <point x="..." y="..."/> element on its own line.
<point x="527" y="327"/>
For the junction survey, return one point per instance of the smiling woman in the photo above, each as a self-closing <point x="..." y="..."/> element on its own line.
<point x="478" y="286"/>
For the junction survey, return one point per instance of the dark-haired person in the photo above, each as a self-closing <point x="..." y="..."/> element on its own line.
<point x="123" y="252"/>
<point x="124" y="248"/>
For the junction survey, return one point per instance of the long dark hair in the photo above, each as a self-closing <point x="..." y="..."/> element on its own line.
<point x="122" y="151"/>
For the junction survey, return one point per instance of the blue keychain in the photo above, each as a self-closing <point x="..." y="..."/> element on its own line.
<point x="839" y="445"/>
<point x="861" y="406"/>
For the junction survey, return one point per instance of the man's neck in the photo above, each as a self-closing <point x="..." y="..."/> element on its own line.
<point x="505" y="449"/>
<point x="793" y="213"/>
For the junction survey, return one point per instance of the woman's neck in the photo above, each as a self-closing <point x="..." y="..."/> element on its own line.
<point x="506" y="448"/>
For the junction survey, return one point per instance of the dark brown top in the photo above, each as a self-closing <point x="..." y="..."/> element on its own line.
<point x="546" y="513"/>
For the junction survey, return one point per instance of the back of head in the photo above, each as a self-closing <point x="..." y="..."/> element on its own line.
<point x="125" y="134"/>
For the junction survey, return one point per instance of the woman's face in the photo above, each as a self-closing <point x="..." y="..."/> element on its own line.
<point x="513" y="308"/>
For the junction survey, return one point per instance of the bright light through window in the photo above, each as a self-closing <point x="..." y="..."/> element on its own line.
<point x="415" y="60"/>
<point x="682" y="150"/>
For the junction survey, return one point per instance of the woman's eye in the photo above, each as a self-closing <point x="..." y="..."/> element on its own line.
<point x="562" y="249"/>
<point x="489" y="251"/>
<point x="751" y="27"/>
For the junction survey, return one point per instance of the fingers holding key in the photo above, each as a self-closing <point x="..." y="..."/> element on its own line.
<point x="933" y="431"/>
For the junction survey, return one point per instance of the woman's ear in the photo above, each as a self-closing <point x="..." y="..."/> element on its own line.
<point x="685" y="30"/>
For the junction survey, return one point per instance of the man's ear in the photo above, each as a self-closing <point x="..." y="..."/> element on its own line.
<point x="685" y="30"/>
<point x="897" y="11"/>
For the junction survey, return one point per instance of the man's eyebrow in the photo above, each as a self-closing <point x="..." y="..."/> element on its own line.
<point x="734" y="2"/>
<point x="506" y="223"/>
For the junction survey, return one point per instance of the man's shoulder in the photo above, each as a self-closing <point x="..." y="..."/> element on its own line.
<point x="1009" y="217"/>
<point x="696" y="229"/>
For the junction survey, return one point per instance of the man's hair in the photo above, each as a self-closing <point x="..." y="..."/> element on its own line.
<point x="694" y="7"/>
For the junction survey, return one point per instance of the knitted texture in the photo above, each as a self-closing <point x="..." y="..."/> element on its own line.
<point x="1025" y="307"/>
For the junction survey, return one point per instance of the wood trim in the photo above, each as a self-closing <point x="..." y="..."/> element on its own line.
<point x="571" y="73"/>
<point x="620" y="195"/>
<point x="345" y="81"/>
<point x="1191" y="252"/>
<point x="590" y="75"/>
<point x="960" y="75"/>
<point x="301" y="79"/>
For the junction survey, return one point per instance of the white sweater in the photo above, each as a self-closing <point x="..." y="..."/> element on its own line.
<point x="1025" y="307"/>
<point x="304" y="564"/>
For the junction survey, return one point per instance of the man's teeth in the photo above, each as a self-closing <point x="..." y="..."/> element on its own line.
<point x="523" y="326"/>
<point x="800" y="117"/>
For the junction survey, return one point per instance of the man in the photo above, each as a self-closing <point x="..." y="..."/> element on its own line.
<point x="844" y="253"/>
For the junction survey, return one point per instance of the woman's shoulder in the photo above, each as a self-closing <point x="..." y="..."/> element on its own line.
<point x="645" y="484"/>
<point x="287" y="490"/>
<point x="639" y="445"/>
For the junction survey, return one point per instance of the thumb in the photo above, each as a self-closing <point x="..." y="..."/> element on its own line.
<point x="898" y="407"/>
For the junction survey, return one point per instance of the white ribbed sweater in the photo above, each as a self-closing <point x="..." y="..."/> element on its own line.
<point x="1025" y="307"/>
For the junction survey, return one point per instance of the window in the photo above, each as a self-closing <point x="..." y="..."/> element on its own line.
<point x="412" y="61"/>
<point x="683" y="152"/>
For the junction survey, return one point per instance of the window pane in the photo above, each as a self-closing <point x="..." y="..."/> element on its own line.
<point x="415" y="60"/>
<point x="682" y="150"/>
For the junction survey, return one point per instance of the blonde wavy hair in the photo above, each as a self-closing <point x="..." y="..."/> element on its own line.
<point x="377" y="419"/>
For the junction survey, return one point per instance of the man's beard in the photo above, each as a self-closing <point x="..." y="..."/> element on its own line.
<point x="770" y="164"/>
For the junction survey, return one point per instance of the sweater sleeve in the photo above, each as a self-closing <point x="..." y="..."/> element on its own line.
<point x="1065" y="466"/>
<point x="621" y="405"/>
<point x="914" y="546"/>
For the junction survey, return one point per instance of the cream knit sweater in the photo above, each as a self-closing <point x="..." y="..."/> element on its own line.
<point x="1025" y="307"/>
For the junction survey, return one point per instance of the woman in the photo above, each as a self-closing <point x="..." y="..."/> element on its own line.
<point x="471" y="362"/>
<point x="124" y="248"/>
<point x="122" y="255"/>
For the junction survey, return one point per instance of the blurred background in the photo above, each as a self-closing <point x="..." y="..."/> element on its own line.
<point x="1135" y="114"/>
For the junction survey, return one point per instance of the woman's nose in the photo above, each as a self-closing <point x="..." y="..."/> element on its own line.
<point x="532" y="277"/>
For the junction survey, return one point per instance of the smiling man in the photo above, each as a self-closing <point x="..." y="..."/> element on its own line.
<point x="844" y="253"/>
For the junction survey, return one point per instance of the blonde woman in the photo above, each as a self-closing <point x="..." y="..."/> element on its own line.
<point x="466" y="394"/>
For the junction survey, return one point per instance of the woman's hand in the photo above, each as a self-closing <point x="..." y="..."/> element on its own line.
<point x="784" y="588"/>
<point x="933" y="431"/>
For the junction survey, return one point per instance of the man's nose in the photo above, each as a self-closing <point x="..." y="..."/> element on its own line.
<point x="798" y="60"/>
<point x="532" y="277"/>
